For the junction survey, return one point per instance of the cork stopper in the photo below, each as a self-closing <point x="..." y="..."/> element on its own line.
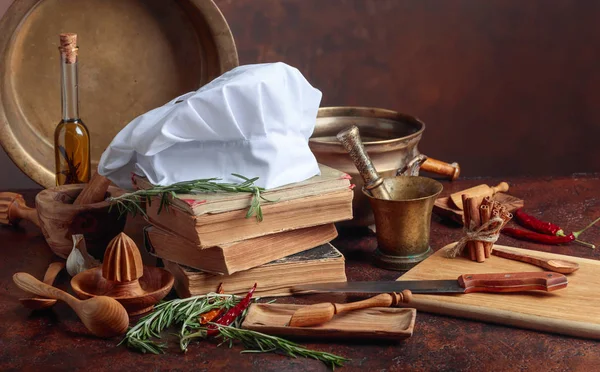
<point x="68" y="47"/>
<point x="122" y="260"/>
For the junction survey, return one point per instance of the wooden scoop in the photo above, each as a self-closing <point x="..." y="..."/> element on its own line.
<point x="477" y="191"/>
<point x="103" y="316"/>
<point x="316" y="314"/>
<point x="38" y="303"/>
<point x="558" y="266"/>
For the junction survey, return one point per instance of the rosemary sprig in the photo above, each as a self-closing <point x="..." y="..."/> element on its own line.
<point x="179" y="311"/>
<point x="132" y="202"/>
<point x="257" y="342"/>
<point x="184" y="313"/>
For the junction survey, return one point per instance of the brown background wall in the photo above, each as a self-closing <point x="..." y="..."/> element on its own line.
<point x="506" y="87"/>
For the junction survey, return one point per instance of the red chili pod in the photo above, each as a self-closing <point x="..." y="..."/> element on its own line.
<point x="537" y="237"/>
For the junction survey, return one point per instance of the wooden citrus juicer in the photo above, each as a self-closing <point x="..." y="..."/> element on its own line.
<point x="316" y="314"/>
<point x="13" y="209"/>
<point x="124" y="277"/>
<point x="38" y="303"/>
<point x="103" y="316"/>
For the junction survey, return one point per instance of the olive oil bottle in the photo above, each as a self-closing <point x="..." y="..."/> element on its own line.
<point x="71" y="137"/>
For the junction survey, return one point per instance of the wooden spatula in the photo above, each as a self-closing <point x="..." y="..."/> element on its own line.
<point x="316" y="314"/>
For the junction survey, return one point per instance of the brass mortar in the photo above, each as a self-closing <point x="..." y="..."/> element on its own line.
<point x="390" y="138"/>
<point x="403" y="222"/>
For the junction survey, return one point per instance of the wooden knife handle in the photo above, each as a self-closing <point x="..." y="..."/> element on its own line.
<point x="451" y="171"/>
<point x="512" y="282"/>
<point x="13" y="209"/>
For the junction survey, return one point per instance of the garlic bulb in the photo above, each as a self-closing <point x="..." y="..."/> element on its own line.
<point x="79" y="260"/>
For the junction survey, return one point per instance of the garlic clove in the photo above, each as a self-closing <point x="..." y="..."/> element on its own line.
<point x="79" y="260"/>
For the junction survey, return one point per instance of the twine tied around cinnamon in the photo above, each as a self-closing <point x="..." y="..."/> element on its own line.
<point x="488" y="232"/>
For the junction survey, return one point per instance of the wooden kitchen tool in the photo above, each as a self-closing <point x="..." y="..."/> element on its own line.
<point x="124" y="277"/>
<point x="38" y="303"/>
<point x="350" y="139"/>
<point x="13" y="209"/>
<point x="477" y="191"/>
<point x="94" y="191"/>
<point x="375" y="323"/>
<point x="316" y="314"/>
<point x="60" y="219"/>
<point x="103" y="316"/>
<point x="556" y="265"/>
<point x="444" y="207"/>
<point x="571" y="311"/>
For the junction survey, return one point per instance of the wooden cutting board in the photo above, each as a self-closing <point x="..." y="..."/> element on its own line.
<point x="573" y="311"/>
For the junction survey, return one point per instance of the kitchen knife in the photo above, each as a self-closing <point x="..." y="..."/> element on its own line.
<point x="467" y="283"/>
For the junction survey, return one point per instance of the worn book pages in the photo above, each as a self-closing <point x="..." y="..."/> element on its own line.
<point x="243" y="255"/>
<point x="318" y="265"/>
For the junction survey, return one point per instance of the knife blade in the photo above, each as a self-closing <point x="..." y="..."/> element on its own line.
<point x="466" y="283"/>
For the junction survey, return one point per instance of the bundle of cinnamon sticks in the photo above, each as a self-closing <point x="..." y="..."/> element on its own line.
<point x="477" y="212"/>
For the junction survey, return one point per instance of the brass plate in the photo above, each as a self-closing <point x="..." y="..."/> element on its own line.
<point x="135" y="55"/>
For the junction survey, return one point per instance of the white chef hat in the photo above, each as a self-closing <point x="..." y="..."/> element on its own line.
<point x="254" y="120"/>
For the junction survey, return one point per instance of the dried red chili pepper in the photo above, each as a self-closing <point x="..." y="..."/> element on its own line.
<point x="213" y="314"/>
<point x="537" y="237"/>
<point x="231" y="314"/>
<point x="534" y="224"/>
<point x="546" y="228"/>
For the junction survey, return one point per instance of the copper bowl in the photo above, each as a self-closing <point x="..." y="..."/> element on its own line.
<point x="60" y="219"/>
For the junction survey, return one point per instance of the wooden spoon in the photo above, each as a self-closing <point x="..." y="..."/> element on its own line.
<point x="316" y="314"/>
<point x="38" y="303"/>
<point x="559" y="266"/>
<point x="101" y="315"/>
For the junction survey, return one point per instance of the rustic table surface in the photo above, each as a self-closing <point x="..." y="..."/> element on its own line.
<point x="56" y="340"/>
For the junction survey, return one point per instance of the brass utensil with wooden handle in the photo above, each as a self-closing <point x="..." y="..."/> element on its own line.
<point x="477" y="191"/>
<point x="451" y="171"/>
<point x="13" y="209"/>
<point x="559" y="266"/>
<point x="350" y="139"/>
<point x="101" y="315"/>
<point x="38" y="303"/>
<point x="316" y="314"/>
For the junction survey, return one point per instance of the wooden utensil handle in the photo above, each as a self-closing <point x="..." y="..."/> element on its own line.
<point x="512" y="282"/>
<point x="451" y="171"/>
<point x="501" y="187"/>
<point x="94" y="191"/>
<point x="382" y="300"/>
<point x="350" y="139"/>
<point x="53" y="269"/>
<point x="13" y="209"/>
<point x="30" y="284"/>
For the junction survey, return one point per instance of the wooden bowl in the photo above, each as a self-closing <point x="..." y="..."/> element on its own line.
<point x="60" y="219"/>
<point x="134" y="56"/>
<point x="155" y="285"/>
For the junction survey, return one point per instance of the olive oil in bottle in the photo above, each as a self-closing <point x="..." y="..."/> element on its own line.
<point x="71" y="137"/>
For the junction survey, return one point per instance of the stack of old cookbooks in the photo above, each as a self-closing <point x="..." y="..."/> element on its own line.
<point x="205" y="239"/>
